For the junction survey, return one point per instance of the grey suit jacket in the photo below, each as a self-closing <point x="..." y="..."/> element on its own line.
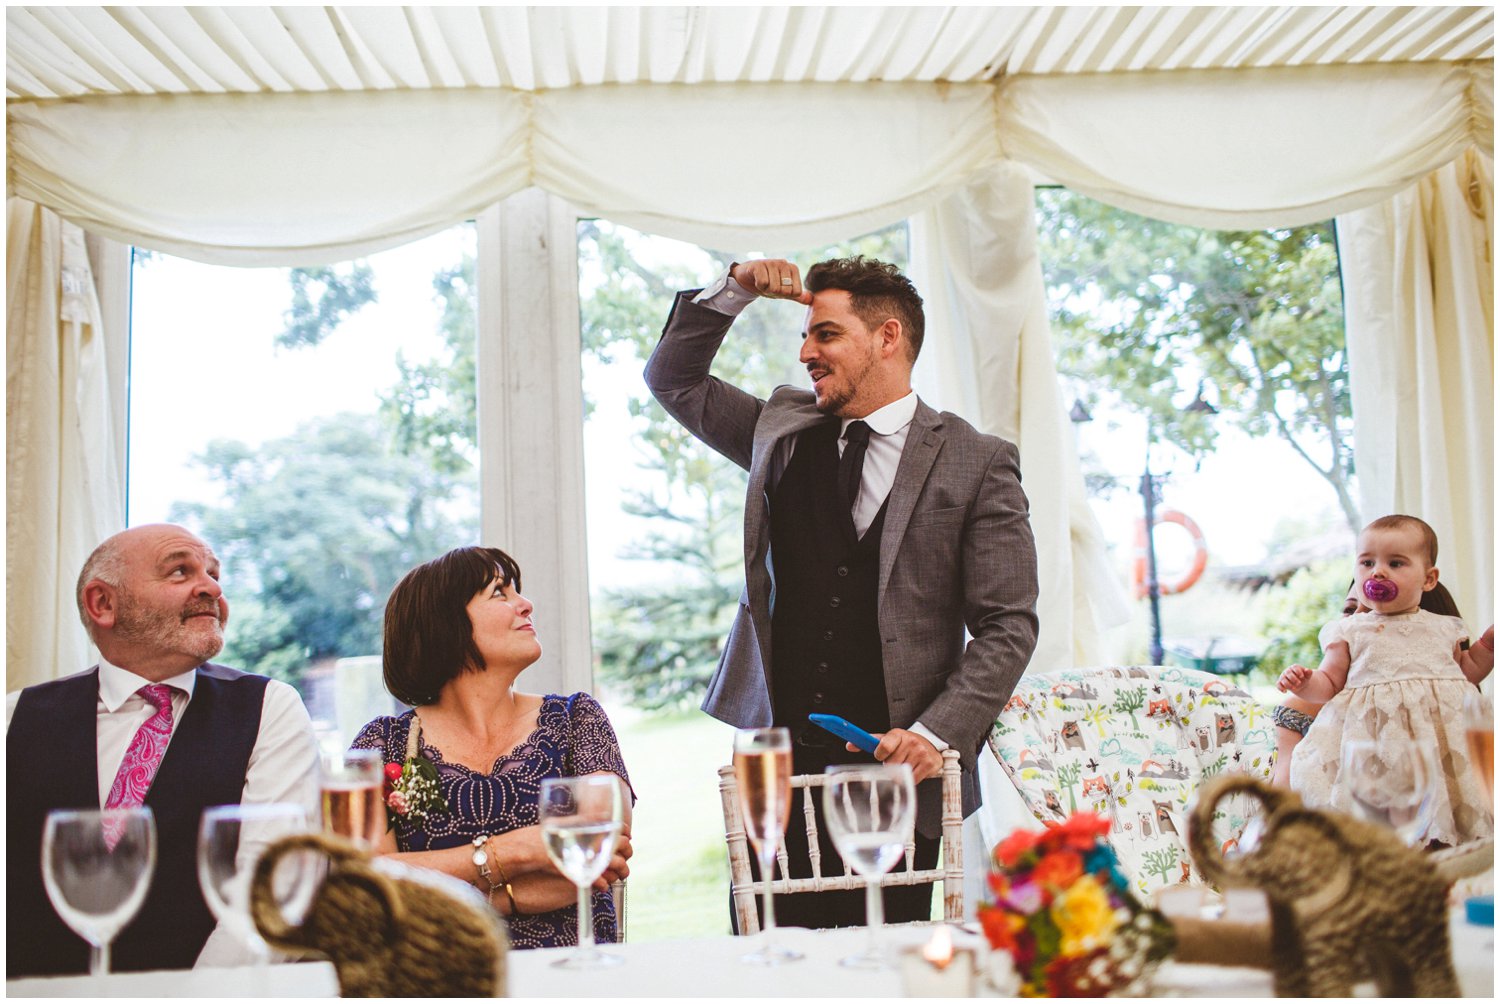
<point x="956" y="552"/>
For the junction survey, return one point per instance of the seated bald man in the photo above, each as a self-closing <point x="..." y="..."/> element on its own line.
<point x="150" y="600"/>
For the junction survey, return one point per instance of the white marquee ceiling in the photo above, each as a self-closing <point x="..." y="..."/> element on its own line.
<point x="61" y="52"/>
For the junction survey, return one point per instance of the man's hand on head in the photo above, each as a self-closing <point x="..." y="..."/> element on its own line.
<point x="902" y="746"/>
<point x="776" y="278"/>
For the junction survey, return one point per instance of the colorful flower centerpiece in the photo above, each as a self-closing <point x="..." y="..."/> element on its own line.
<point x="1059" y="905"/>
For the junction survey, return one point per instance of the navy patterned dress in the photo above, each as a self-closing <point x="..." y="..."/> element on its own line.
<point x="572" y="737"/>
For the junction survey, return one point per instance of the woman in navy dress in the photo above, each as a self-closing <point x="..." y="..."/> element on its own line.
<point x="458" y="633"/>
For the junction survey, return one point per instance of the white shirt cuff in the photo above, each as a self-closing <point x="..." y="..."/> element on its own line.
<point x="726" y="296"/>
<point x="929" y="735"/>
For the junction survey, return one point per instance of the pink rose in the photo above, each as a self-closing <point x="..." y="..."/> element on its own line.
<point x="397" y="802"/>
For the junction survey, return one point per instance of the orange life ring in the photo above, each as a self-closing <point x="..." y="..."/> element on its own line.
<point x="1200" y="554"/>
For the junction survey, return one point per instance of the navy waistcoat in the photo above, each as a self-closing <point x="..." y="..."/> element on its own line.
<point x="52" y="763"/>
<point x="825" y="634"/>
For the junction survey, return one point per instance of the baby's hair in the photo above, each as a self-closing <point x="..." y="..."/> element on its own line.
<point x="1400" y="521"/>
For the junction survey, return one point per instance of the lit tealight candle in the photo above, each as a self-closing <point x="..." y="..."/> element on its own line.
<point x="937" y="969"/>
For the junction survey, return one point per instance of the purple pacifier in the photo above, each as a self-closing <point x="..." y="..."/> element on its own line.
<point x="1380" y="590"/>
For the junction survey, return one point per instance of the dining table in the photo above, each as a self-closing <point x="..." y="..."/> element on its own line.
<point x="713" y="966"/>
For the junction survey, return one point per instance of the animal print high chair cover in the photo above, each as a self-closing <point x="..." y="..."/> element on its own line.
<point x="1132" y="744"/>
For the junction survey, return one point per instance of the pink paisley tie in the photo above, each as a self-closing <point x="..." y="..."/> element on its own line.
<point x="142" y="757"/>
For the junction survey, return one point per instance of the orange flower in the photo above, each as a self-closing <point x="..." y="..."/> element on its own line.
<point x="1010" y="850"/>
<point x="1080" y="831"/>
<point x="1058" y="870"/>
<point x="1000" y="927"/>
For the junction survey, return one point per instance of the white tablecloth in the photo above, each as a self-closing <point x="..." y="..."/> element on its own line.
<point x="705" y="967"/>
<point x="304" y="979"/>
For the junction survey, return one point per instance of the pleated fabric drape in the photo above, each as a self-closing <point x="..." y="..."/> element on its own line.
<point x="1419" y="297"/>
<point x="62" y="477"/>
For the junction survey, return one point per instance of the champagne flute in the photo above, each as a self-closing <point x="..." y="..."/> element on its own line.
<point x="1479" y="728"/>
<point x="352" y="806"/>
<point x="97" y="865"/>
<point x="870" y="810"/>
<point x="1391" y="782"/>
<point x="763" y="775"/>
<point x="230" y="841"/>
<point x="581" y="819"/>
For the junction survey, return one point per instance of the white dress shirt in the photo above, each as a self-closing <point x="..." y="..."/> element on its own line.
<point x="888" y="428"/>
<point x="283" y="764"/>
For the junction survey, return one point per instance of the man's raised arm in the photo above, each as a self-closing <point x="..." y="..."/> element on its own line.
<point x="718" y="413"/>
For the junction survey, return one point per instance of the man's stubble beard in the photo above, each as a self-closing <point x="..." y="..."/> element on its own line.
<point x="836" y="403"/>
<point x="163" y="630"/>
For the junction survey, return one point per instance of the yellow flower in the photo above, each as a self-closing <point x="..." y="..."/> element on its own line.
<point x="1084" y="917"/>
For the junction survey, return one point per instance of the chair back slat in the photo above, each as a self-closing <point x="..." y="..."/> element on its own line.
<point x="743" y="889"/>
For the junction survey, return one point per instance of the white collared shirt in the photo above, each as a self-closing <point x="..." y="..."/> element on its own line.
<point x="122" y="711"/>
<point x="283" y="764"/>
<point x="888" y="428"/>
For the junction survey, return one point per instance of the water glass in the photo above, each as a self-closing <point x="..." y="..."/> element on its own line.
<point x="870" y="809"/>
<point x="230" y="841"/>
<point x="581" y="820"/>
<point x="1392" y="782"/>
<point x="763" y="775"/>
<point x="97" y="865"/>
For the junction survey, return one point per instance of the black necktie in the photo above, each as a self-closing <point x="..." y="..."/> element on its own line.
<point x="852" y="463"/>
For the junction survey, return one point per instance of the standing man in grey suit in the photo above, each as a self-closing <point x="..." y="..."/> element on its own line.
<point x="877" y="531"/>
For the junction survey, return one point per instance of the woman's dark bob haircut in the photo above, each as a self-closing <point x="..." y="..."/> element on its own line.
<point x="429" y="638"/>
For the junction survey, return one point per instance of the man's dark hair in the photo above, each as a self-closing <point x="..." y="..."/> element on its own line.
<point x="429" y="638"/>
<point x="877" y="291"/>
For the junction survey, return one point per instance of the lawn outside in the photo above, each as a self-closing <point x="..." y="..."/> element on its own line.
<point x="679" y="877"/>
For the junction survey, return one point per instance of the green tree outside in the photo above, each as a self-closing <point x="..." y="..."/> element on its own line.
<point x="321" y="524"/>
<point x="1139" y="306"/>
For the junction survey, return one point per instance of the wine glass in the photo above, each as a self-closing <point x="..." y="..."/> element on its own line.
<point x="351" y="786"/>
<point x="763" y="774"/>
<point x="581" y="819"/>
<point x="97" y="865"/>
<point x="870" y="810"/>
<point x="230" y="841"/>
<point x="1391" y="782"/>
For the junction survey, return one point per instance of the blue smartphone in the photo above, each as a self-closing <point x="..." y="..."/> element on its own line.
<point x="845" y="731"/>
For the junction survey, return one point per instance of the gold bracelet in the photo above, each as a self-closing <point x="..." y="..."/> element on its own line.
<point x="481" y="861"/>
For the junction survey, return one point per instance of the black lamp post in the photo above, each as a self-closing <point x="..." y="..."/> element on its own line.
<point x="1149" y="501"/>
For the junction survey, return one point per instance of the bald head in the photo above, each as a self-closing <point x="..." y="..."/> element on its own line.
<point x="150" y="599"/>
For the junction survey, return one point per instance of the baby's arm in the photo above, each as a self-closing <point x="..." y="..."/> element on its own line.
<point x="1320" y="685"/>
<point x="1479" y="658"/>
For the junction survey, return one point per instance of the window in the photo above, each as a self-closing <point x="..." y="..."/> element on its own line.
<point x="316" y="426"/>
<point x="1226" y="351"/>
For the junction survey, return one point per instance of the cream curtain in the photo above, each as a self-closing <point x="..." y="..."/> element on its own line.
<point x="261" y="179"/>
<point x="1419" y="297"/>
<point x="62" y="488"/>
<point x="988" y="357"/>
<point x="276" y="179"/>
<point x="1245" y="149"/>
